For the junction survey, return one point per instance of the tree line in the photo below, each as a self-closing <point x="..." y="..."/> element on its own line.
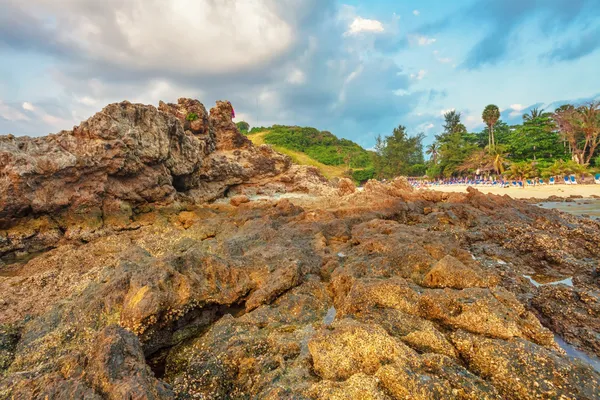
<point x="565" y="141"/>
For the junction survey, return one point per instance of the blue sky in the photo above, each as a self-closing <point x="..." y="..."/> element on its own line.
<point x="356" y="68"/>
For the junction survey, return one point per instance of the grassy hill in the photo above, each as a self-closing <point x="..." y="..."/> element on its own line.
<point x="332" y="156"/>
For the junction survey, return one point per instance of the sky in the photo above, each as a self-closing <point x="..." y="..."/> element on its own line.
<point x="357" y="68"/>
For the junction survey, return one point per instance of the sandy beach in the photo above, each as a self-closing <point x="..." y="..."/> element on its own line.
<point x="537" y="192"/>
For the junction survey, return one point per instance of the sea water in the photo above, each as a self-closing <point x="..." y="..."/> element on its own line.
<point x="589" y="207"/>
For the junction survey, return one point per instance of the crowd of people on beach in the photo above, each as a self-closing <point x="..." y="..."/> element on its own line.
<point x="492" y="181"/>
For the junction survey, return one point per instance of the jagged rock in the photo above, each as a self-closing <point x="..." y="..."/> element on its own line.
<point x="126" y="157"/>
<point x="450" y="272"/>
<point x="346" y="187"/>
<point x="358" y="386"/>
<point x="349" y="347"/>
<point x="523" y="370"/>
<point x="386" y="293"/>
<point x="237" y="200"/>
<point x="572" y="313"/>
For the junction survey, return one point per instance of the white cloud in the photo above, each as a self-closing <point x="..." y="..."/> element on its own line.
<point x="416" y="12"/>
<point x="52" y="120"/>
<point x="364" y="25"/>
<point x="444" y="60"/>
<point x="419" y="75"/>
<point x="516" y="109"/>
<point x="422" y="40"/>
<point x="136" y="34"/>
<point x="9" y="113"/>
<point x="442" y="112"/>
<point x="429" y="126"/>
<point x="86" y="100"/>
<point x="296" y="77"/>
<point x="473" y="121"/>
<point x="28" y="106"/>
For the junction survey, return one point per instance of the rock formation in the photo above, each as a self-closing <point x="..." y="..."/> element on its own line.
<point x="388" y="293"/>
<point x="124" y="159"/>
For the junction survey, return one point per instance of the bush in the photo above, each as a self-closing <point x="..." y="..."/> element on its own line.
<point x="243" y="126"/>
<point x="192" y="116"/>
<point x="322" y="146"/>
<point x="363" y="175"/>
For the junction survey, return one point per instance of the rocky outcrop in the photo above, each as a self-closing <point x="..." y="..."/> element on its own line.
<point x="295" y="298"/>
<point x="149" y="291"/>
<point x="124" y="159"/>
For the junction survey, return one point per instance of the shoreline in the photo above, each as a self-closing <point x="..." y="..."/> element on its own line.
<point x="531" y="193"/>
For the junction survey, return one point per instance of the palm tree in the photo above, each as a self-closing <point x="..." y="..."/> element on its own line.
<point x="491" y="115"/>
<point x="521" y="170"/>
<point x="533" y="114"/>
<point x="589" y="123"/>
<point x="433" y="150"/>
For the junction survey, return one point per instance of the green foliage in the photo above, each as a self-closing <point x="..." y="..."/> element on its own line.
<point x="536" y="139"/>
<point x="455" y="145"/>
<point x="399" y="154"/>
<point x="243" y="126"/>
<point x="561" y="168"/>
<point x="491" y="115"/>
<point x="192" y="116"/>
<point x="322" y="146"/>
<point x="522" y="170"/>
<point x="363" y="175"/>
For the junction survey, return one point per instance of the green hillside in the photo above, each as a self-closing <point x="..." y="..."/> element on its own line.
<point x="333" y="156"/>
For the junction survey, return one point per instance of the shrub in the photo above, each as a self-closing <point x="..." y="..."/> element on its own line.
<point x="243" y="126"/>
<point x="192" y="116"/>
<point x="363" y="175"/>
<point x="322" y="146"/>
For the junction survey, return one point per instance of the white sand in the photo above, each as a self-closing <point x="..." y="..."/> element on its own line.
<point x="528" y="192"/>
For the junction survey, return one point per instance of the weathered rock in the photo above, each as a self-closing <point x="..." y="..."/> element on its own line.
<point x="572" y="313"/>
<point x="450" y="272"/>
<point x="346" y="187"/>
<point x="237" y="200"/>
<point x="523" y="370"/>
<point x="386" y="293"/>
<point x="349" y="347"/>
<point x="96" y="177"/>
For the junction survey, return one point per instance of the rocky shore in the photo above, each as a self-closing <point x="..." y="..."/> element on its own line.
<point x="145" y="255"/>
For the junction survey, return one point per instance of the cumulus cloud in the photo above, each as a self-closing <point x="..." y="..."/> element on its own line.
<point x="501" y="22"/>
<point x="442" y="112"/>
<point x="10" y="113"/>
<point x="360" y="25"/>
<point x="28" y="106"/>
<point x="416" y="12"/>
<point x="585" y="44"/>
<point x="278" y="61"/>
<point x="296" y="77"/>
<point x="419" y="75"/>
<point x="421" y="40"/>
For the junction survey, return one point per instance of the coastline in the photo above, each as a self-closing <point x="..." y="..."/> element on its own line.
<point x="537" y="193"/>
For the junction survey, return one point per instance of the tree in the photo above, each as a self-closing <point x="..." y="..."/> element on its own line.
<point x="433" y="151"/>
<point x="243" y="126"/>
<point x="491" y="115"/>
<point x="455" y="145"/>
<point x="536" y="139"/>
<point x="533" y="114"/>
<point x="521" y="170"/>
<point x="452" y="122"/>
<point x="399" y="154"/>
<point x="588" y="120"/>
<point x="581" y="128"/>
